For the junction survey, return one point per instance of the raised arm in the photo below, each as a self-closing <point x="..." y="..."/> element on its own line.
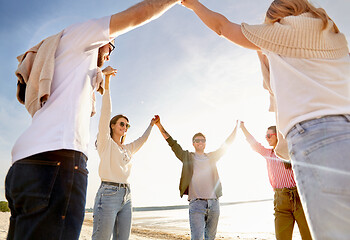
<point x="256" y="146"/>
<point x="106" y="108"/>
<point x="232" y="136"/>
<point x="161" y="128"/>
<point x="138" y="15"/>
<point x="216" y="155"/>
<point x="219" y="24"/>
<point x="245" y="131"/>
<point x="138" y="143"/>
<point x="177" y="149"/>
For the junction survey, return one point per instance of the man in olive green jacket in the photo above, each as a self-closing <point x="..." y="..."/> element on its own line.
<point x="200" y="181"/>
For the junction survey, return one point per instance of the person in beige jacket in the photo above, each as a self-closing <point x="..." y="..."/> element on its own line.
<point x="113" y="206"/>
<point x="47" y="182"/>
<point x="308" y="70"/>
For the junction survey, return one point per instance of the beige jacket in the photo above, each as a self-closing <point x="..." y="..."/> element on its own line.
<point x="35" y="71"/>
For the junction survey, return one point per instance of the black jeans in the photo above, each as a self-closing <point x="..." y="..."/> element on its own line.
<point x="46" y="193"/>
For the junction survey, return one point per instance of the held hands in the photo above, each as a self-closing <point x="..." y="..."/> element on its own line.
<point x="155" y="120"/>
<point x="109" y="71"/>
<point x="242" y="124"/>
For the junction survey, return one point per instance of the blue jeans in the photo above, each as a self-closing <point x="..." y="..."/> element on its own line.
<point x="46" y="193"/>
<point x="320" y="152"/>
<point x="112" y="213"/>
<point x="204" y="218"/>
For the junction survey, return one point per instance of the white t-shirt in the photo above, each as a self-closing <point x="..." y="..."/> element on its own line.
<point x="308" y="88"/>
<point x="64" y="121"/>
<point x="202" y="184"/>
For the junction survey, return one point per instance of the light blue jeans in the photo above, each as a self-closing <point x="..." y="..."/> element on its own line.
<point x="112" y="213"/>
<point x="204" y="218"/>
<point x="320" y="152"/>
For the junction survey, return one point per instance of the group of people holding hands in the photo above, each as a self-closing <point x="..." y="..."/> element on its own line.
<point x="200" y="180"/>
<point x="305" y="65"/>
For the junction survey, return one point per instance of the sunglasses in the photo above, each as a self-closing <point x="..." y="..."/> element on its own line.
<point x="112" y="47"/>
<point x="199" y="140"/>
<point x="123" y="124"/>
<point x="269" y="135"/>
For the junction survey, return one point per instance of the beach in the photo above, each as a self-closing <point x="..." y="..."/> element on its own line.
<point x="234" y="223"/>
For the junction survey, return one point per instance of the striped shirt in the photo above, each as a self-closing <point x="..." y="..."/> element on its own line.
<point x="279" y="176"/>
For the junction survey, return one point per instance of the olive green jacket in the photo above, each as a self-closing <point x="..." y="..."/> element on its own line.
<point x="187" y="158"/>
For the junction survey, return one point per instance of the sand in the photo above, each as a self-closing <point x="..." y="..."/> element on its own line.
<point x="145" y="228"/>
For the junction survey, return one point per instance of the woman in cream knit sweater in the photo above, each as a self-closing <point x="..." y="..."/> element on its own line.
<point x="113" y="208"/>
<point x="306" y="67"/>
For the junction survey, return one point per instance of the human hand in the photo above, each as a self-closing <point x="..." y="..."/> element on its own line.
<point x="109" y="71"/>
<point x="155" y="120"/>
<point x="241" y="124"/>
<point x="189" y="3"/>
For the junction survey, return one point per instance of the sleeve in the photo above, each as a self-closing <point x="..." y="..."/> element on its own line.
<point x="104" y="136"/>
<point x="257" y="147"/>
<point x="216" y="155"/>
<point x="137" y="144"/>
<point x="176" y="148"/>
<point x="89" y="35"/>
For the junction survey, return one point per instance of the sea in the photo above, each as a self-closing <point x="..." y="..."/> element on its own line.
<point x="249" y="219"/>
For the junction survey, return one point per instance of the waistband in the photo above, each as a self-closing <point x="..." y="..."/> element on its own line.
<point x="60" y="153"/>
<point x="203" y="199"/>
<point x="285" y="189"/>
<point x="299" y="126"/>
<point x="123" y="185"/>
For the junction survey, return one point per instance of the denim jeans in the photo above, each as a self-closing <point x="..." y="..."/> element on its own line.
<point x="46" y="193"/>
<point x="204" y="218"/>
<point x="320" y="152"/>
<point x="112" y="213"/>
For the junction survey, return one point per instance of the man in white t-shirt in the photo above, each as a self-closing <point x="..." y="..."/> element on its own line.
<point x="200" y="181"/>
<point x="46" y="184"/>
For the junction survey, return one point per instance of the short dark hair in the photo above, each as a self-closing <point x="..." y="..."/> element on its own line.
<point x="197" y="135"/>
<point x="273" y="128"/>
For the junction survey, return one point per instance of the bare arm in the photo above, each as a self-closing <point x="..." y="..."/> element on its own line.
<point x="164" y="133"/>
<point x="245" y="131"/>
<point x="219" y="24"/>
<point x="108" y="72"/>
<point x="233" y="134"/>
<point x="137" y="15"/>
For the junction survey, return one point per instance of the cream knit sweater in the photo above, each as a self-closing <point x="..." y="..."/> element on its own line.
<point x="115" y="162"/>
<point x="296" y="37"/>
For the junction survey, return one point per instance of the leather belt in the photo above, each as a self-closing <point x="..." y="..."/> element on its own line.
<point x="123" y="185"/>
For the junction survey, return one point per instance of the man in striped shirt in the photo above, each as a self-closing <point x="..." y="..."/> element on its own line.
<point x="287" y="203"/>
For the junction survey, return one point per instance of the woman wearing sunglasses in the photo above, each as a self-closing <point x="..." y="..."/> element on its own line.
<point x="113" y="208"/>
<point x="306" y="67"/>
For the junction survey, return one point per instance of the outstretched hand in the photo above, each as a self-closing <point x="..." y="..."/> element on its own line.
<point x="189" y="3"/>
<point x="155" y="120"/>
<point x="108" y="71"/>
<point x="242" y="124"/>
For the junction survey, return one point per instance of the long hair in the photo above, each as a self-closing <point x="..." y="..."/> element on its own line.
<point x="113" y="121"/>
<point x="287" y="164"/>
<point x="283" y="8"/>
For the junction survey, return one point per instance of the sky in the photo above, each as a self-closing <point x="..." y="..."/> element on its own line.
<point x="173" y="66"/>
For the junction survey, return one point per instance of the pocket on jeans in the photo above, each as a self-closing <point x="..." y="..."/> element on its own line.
<point x="31" y="184"/>
<point x="329" y="162"/>
<point x="110" y="191"/>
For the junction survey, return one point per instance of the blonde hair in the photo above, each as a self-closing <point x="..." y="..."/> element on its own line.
<point x="283" y="8"/>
